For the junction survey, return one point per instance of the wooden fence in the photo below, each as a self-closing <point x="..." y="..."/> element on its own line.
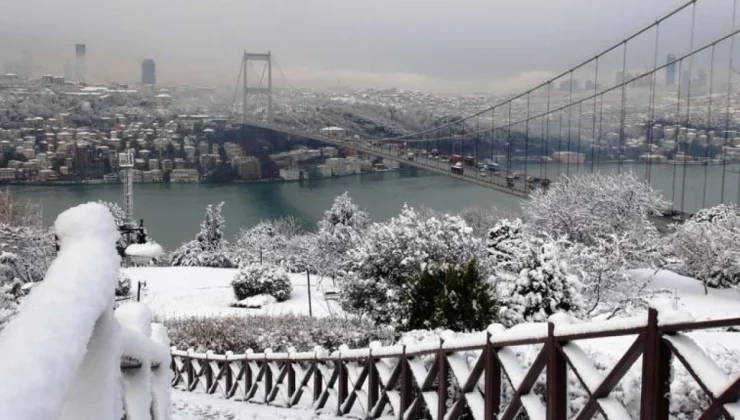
<point x="482" y="378"/>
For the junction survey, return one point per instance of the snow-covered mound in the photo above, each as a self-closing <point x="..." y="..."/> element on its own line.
<point x="184" y="291"/>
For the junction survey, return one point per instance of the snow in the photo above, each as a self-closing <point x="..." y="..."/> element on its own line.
<point x="191" y="406"/>
<point x="147" y="250"/>
<point x="583" y="366"/>
<point x="533" y="405"/>
<point x="201" y="291"/>
<point x="710" y="374"/>
<point x="48" y="340"/>
<point x="255" y="302"/>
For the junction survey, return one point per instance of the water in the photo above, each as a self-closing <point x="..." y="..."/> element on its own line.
<point x="172" y="212"/>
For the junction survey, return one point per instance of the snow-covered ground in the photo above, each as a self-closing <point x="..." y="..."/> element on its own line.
<point x="182" y="291"/>
<point x="193" y="406"/>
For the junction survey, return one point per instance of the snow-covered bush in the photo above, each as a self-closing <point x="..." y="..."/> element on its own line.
<point x="209" y="248"/>
<point x="123" y="288"/>
<point x="707" y="247"/>
<point x="391" y="254"/>
<point x="585" y="207"/>
<point x="481" y="220"/>
<point x="457" y="298"/>
<point x="542" y="286"/>
<point x="237" y="334"/>
<point x="505" y="242"/>
<point x="25" y="254"/>
<point x="339" y="231"/>
<point x="262" y="279"/>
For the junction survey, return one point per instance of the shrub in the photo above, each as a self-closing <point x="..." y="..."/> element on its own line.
<point x="237" y="334"/>
<point x="209" y="248"/>
<point x="707" y="247"/>
<point x="262" y="279"/>
<point x="123" y="287"/>
<point x="458" y="298"/>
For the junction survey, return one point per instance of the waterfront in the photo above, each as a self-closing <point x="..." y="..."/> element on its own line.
<point x="173" y="212"/>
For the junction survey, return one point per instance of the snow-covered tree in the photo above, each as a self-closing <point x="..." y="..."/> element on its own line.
<point x="209" y="248"/>
<point x="339" y="231"/>
<point x="392" y="253"/>
<point x="707" y="247"/>
<point x="585" y="207"/>
<point x="603" y="269"/>
<point x="265" y="242"/>
<point x="543" y="285"/>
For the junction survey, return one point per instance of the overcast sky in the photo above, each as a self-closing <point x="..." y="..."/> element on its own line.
<point x="436" y="45"/>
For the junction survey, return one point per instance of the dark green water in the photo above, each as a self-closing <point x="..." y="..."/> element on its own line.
<point x="173" y="212"/>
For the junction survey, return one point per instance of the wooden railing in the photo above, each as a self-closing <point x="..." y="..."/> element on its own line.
<point x="483" y="377"/>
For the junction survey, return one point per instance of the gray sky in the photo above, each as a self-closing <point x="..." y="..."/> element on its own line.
<point x="436" y="45"/>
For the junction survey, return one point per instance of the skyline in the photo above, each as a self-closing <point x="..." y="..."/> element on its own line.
<point x="443" y="52"/>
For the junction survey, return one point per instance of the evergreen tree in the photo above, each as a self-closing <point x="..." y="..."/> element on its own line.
<point x="542" y="286"/>
<point x="457" y="298"/>
<point x="208" y="249"/>
<point x="339" y="231"/>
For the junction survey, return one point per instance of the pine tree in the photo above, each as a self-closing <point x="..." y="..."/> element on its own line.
<point x="208" y="249"/>
<point x="339" y="231"/>
<point x="457" y="298"/>
<point x="542" y="286"/>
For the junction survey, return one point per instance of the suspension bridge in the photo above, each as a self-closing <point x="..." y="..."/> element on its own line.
<point x="660" y="102"/>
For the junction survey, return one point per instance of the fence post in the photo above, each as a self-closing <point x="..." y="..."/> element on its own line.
<point x="228" y="378"/>
<point x="656" y="370"/>
<point x="405" y="402"/>
<point x="317" y="381"/>
<point x="291" y="380"/>
<point x="268" y="379"/>
<point x="492" y="380"/>
<point x="208" y="372"/>
<point x="247" y="377"/>
<point x="441" y="381"/>
<point x="372" y="383"/>
<point x="189" y="370"/>
<point x="341" y="385"/>
<point x="557" y="378"/>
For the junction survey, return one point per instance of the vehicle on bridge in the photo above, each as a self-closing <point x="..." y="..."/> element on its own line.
<point x="456" y="158"/>
<point x="435" y="152"/>
<point x="510" y="181"/>
<point x="493" y="167"/>
<point x="457" y="168"/>
<point x="410" y="156"/>
<point x="469" y="160"/>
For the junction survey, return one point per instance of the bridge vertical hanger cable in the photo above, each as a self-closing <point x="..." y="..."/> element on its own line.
<point x="494" y="142"/>
<point x="709" y="125"/>
<point x="593" y="130"/>
<point x="526" y="148"/>
<point x="560" y="143"/>
<point x="508" y="145"/>
<point x="601" y="127"/>
<point x="730" y="70"/>
<point x="570" y="122"/>
<point x="236" y="86"/>
<point x="546" y="136"/>
<point x="688" y="107"/>
<point x="578" y="157"/>
<point x="651" y="117"/>
<point x="675" y="134"/>
<point x="623" y="115"/>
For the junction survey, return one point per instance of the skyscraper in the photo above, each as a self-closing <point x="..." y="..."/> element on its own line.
<point x="80" y="52"/>
<point x="148" y="72"/>
<point x="670" y="70"/>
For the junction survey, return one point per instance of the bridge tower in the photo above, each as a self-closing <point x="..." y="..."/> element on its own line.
<point x="246" y="90"/>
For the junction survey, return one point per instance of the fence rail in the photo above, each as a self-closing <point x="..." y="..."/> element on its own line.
<point x="443" y="380"/>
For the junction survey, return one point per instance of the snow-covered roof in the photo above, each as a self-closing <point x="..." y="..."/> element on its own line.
<point x="332" y="129"/>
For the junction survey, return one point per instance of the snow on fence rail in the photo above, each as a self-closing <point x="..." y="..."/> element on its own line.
<point x="482" y="375"/>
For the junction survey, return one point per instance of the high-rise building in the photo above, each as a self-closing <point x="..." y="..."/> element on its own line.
<point x="148" y="72"/>
<point x="670" y="70"/>
<point x="80" y="65"/>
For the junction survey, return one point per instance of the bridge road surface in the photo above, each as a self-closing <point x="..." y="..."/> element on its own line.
<point x="495" y="181"/>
